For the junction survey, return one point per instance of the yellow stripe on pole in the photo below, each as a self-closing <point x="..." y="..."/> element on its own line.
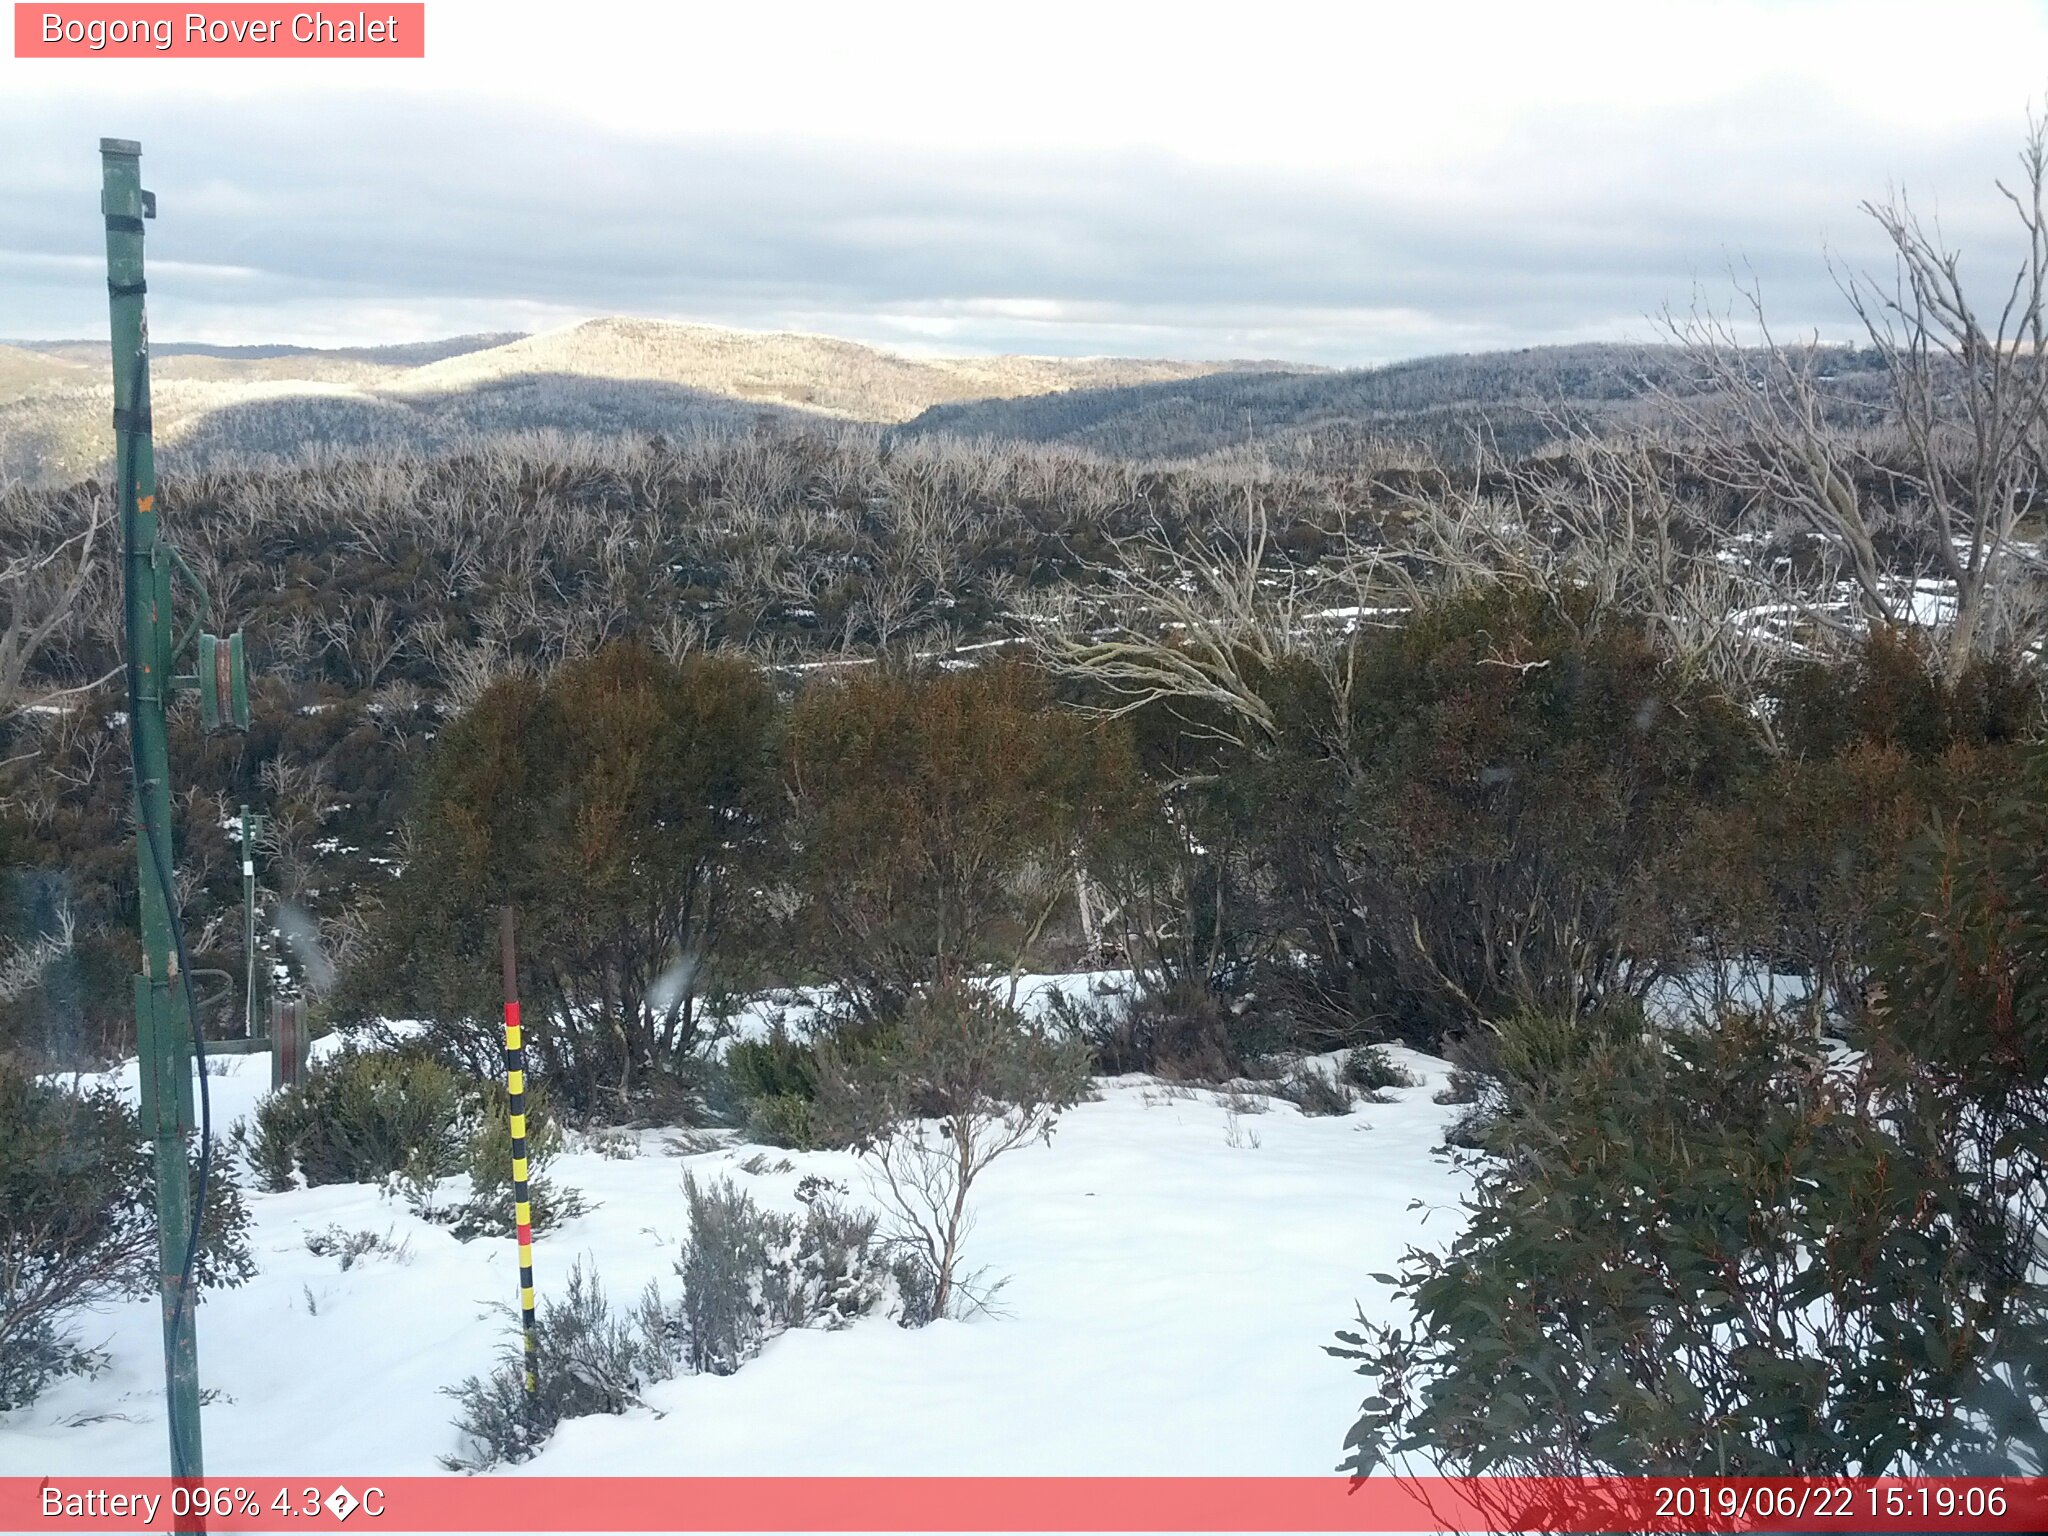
<point x="515" y="1109"/>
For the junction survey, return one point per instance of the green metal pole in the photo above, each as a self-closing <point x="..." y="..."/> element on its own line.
<point x="163" y="1032"/>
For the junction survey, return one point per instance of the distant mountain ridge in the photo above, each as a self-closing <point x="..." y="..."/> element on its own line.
<point x="606" y="375"/>
<point x="403" y="354"/>
<point x="1516" y="397"/>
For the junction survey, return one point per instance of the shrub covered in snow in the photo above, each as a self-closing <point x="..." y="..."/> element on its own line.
<point x="1314" y="1091"/>
<point x="750" y="1274"/>
<point x="358" y="1118"/>
<point x="487" y="1211"/>
<point x="348" y="1248"/>
<point x="1368" y="1069"/>
<point x="588" y="1361"/>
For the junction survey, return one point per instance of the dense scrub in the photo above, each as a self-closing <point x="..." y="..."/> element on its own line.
<point x="78" y="1225"/>
<point x="382" y="596"/>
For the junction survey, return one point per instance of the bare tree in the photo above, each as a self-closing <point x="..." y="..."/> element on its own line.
<point x="963" y="1080"/>
<point x="1965" y="408"/>
<point x="39" y="588"/>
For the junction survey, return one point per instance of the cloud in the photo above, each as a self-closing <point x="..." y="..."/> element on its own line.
<point x="1572" y="210"/>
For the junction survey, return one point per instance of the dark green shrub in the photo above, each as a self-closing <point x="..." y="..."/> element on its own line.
<point x="781" y="1120"/>
<point x="78" y="1224"/>
<point x="1183" y="1034"/>
<point x="1368" y="1069"/>
<point x="1892" y="692"/>
<point x="1479" y="824"/>
<point x="489" y="1209"/>
<point x="360" y="1117"/>
<point x="1708" y="1253"/>
<point x="935" y="821"/>
<point x="622" y="804"/>
<point x="775" y="1065"/>
<point x="1793" y="873"/>
<point x="1961" y="989"/>
<point x="1505" y="1071"/>
<point x="1315" y="1092"/>
<point x="773" y="1080"/>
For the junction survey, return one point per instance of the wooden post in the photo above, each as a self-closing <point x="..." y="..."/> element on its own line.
<point x="290" y="1050"/>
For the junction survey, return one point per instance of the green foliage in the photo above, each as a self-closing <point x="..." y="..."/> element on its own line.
<point x="1961" y="989"/>
<point x="781" y="1120"/>
<point x="747" y="1274"/>
<point x="1893" y="693"/>
<point x="935" y="823"/>
<point x="1488" y="821"/>
<point x="1965" y="960"/>
<point x="1181" y="1032"/>
<point x="1177" y="863"/>
<point x="1368" y="1069"/>
<point x="489" y="1210"/>
<point x="78" y="1224"/>
<point x="1796" y="870"/>
<point x="359" y="1117"/>
<point x="1707" y="1253"/>
<point x="774" y="1080"/>
<point x="1316" y="1093"/>
<point x="620" y="805"/>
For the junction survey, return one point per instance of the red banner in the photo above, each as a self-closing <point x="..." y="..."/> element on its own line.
<point x="236" y="31"/>
<point x="537" y="1504"/>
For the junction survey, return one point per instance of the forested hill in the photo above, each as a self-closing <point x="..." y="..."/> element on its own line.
<point x="1514" y="397"/>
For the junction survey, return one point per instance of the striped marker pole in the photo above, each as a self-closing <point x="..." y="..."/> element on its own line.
<point x="515" y="1093"/>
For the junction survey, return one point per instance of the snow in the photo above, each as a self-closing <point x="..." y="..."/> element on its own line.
<point x="1174" y="1268"/>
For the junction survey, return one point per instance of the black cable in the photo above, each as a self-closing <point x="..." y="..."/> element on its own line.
<point x="160" y="863"/>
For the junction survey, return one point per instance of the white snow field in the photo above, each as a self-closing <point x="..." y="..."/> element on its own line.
<point x="1174" y="1270"/>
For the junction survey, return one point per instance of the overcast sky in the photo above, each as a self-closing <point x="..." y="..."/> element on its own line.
<point x="1346" y="182"/>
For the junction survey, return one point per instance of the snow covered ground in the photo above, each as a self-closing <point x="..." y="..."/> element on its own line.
<point x="1174" y="1269"/>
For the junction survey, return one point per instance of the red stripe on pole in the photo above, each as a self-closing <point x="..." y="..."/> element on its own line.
<point x="1061" y="1504"/>
<point x="525" y="1233"/>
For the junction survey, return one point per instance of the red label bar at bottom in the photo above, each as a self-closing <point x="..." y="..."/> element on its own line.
<point x="536" y="1504"/>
